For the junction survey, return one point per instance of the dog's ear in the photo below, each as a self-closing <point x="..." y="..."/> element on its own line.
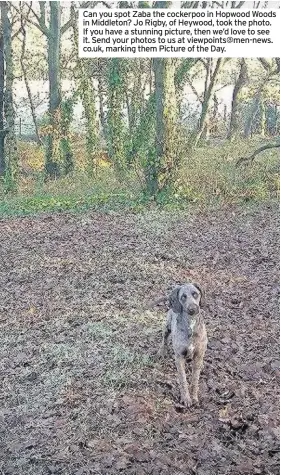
<point x="202" y="293"/>
<point x="174" y="300"/>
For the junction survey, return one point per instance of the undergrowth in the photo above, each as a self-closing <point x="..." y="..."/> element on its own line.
<point x="207" y="178"/>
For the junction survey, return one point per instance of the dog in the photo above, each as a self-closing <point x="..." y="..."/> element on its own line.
<point x="186" y="326"/>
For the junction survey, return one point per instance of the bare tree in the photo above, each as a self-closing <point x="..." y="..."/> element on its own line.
<point x="25" y="75"/>
<point x="271" y="69"/>
<point x="87" y="94"/>
<point x="2" y="85"/>
<point x="161" y="165"/>
<point x="212" y="69"/>
<point x="11" y="155"/>
<point x="239" y="84"/>
<point x="54" y="165"/>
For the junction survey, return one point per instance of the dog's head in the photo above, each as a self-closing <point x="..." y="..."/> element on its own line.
<point x="188" y="298"/>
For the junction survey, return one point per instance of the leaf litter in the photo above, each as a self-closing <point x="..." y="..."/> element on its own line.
<point x="82" y="392"/>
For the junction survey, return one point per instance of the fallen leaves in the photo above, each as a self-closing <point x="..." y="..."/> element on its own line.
<point x="81" y="393"/>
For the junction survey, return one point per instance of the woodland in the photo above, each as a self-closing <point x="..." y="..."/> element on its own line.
<point x="119" y="179"/>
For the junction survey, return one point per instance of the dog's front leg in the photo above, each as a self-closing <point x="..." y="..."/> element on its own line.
<point x="197" y="365"/>
<point x="166" y="332"/>
<point x="184" y="392"/>
<point x="163" y="348"/>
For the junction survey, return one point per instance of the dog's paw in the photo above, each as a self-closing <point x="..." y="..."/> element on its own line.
<point x="186" y="401"/>
<point x="195" y="401"/>
<point x="194" y="397"/>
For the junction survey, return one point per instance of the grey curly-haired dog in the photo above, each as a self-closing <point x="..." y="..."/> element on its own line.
<point x="189" y="337"/>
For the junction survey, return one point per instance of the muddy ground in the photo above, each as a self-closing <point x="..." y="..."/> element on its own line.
<point x="82" y="392"/>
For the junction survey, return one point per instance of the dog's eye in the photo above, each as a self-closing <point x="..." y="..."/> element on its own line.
<point x="195" y="295"/>
<point x="183" y="296"/>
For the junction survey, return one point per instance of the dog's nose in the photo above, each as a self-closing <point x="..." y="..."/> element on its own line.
<point x="192" y="309"/>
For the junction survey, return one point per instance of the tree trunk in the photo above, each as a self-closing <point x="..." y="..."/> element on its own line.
<point x="225" y="112"/>
<point x="240" y="83"/>
<point x="262" y="118"/>
<point x="115" y="125"/>
<point x="25" y="77"/>
<point x="2" y="84"/>
<point x="272" y="119"/>
<point x="254" y="108"/>
<point x="129" y="107"/>
<point x="251" y="116"/>
<point x="66" y="118"/>
<point x="146" y="126"/>
<point x="162" y="164"/>
<point x="88" y="97"/>
<point x="52" y="160"/>
<point x="150" y="75"/>
<point x="208" y="93"/>
<point x="215" y="108"/>
<point x="271" y="69"/>
<point x="11" y="169"/>
<point x="181" y="76"/>
<point x="135" y="101"/>
<point x="101" y="97"/>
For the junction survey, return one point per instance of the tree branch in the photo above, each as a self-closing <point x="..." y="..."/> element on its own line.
<point x="67" y="25"/>
<point x="222" y="87"/>
<point x="255" y="153"/>
<point x="265" y="63"/>
<point x="40" y="26"/>
<point x="205" y="64"/>
<point x="200" y="99"/>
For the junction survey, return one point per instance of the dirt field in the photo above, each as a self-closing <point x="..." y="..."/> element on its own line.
<point x="82" y="392"/>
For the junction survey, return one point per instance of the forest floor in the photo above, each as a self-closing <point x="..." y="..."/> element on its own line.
<point x="82" y="392"/>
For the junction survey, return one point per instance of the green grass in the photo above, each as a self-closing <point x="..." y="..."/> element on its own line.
<point x="124" y="356"/>
<point x="123" y="364"/>
<point x="208" y="178"/>
<point x="210" y="175"/>
<point x="76" y="193"/>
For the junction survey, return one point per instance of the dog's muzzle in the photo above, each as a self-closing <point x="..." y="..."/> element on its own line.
<point x="192" y="309"/>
